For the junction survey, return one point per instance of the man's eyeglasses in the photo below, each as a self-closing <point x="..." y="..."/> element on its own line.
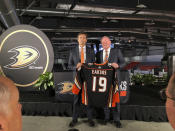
<point x="164" y="96"/>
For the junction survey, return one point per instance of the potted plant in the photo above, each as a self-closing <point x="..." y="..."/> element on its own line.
<point x="148" y="79"/>
<point x="136" y="79"/>
<point x="45" y="83"/>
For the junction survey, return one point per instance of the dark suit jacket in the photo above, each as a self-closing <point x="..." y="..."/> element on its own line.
<point x="114" y="56"/>
<point x="74" y="57"/>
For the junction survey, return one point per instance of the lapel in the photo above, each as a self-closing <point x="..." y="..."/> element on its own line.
<point x="77" y="53"/>
<point x="101" y="56"/>
<point x="87" y="52"/>
<point x="110" y="55"/>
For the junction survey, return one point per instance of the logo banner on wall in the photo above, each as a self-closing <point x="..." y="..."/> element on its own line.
<point x="25" y="53"/>
<point x="63" y="91"/>
<point x="124" y="86"/>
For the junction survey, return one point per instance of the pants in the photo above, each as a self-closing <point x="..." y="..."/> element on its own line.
<point x="89" y="112"/>
<point x="76" y="108"/>
<point x="115" y="112"/>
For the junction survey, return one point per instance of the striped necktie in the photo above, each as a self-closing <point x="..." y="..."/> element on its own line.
<point x="106" y="56"/>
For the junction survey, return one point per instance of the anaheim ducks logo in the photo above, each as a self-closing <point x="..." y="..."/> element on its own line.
<point x="65" y="87"/>
<point x="25" y="56"/>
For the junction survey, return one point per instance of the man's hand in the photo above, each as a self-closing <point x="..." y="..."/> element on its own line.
<point x="115" y="65"/>
<point x="79" y="65"/>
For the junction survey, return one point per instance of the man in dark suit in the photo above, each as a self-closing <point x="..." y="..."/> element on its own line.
<point x="78" y="55"/>
<point x="115" y="57"/>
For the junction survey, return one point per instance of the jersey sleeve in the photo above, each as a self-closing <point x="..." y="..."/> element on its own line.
<point x="116" y="94"/>
<point x="115" y="82"/>
<point x="78" y="82"/>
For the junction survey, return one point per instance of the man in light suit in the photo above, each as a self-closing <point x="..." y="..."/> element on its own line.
<point x="80" y="54"/>
<point x="115" y="57"/>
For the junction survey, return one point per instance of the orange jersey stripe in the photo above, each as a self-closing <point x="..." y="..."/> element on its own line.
<point x="83" y="96"/>
<point x="75" y="90"/>
<point x="116" y="99"/>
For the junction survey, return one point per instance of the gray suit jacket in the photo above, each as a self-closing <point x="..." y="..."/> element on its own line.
<point x="114" y="56"/>
<point x="74" y="57"/>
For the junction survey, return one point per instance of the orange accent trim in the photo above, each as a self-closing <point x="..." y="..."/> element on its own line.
<point x="123" y="93"/>
<point x="75" y="90"/>
<point x="77" y="80"/>
<point x="101" y="63"/>
<point x="82" y="96"/>
<point x="116" y="99"/>
<point x="110" y="91"/>
<point x="86" y="93"/>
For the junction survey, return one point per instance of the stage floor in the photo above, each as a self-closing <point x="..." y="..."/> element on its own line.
<point x="144" y="104"/>
<point x="52" y="123"/>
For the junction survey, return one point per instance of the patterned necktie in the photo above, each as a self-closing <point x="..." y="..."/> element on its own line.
<point x="82" y="55"/>
<point x="106" y="56"/>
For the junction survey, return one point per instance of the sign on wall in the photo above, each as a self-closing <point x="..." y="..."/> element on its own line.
<point x="25" y="53"/>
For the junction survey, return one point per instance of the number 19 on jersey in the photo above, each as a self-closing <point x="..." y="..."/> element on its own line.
<point x="101" y="82"/>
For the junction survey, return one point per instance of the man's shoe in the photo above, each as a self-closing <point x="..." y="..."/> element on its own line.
<point x="105" y="122"/>
<point x="91" y="123"/>
<point x="118" y="124"/>
<point x="73" y="123"/>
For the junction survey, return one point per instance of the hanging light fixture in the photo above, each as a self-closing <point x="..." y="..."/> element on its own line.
<point x="39" y="17"/>
<point x="104" y="20"/>
<point x="149" y="23"/>
<point x="139" y="5"/>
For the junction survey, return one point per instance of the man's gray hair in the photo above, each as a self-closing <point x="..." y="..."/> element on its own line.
<point x="104" y="37"/>
<point x="4" y="98"/>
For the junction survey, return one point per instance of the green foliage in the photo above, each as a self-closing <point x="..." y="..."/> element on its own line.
<point x="45" y="81"/>
<point x="165" y="77"/>
<point x="137" y="79"/>
<point x="148" y="79"/>
<point x="161" y="80"/>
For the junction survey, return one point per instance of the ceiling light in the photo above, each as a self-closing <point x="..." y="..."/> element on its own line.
<point x="141" y="6"/>
<point x="39" y="17"/>
<point x="104" y="20"/>
<point x="63" y="26"/>
<point x="58" y="33"/>
<point x="119" y="33"/>
<point x="149" y="23"/>
<point x="129" y="41"/>
<point x="114" y="21"/>
<point x="117" y="43"/>
<point x="150" y="36"/>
